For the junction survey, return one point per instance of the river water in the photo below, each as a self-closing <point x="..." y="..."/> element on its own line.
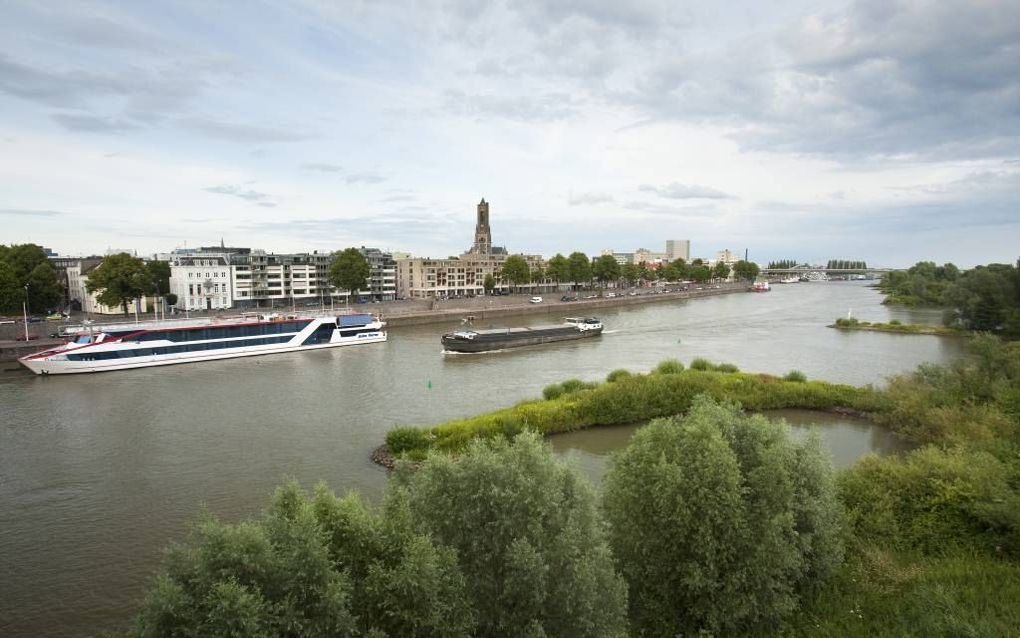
<point x="99" y="472"/>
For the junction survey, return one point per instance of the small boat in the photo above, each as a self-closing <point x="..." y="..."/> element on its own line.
<point x="789" y="280"/>
<point x="501" y="338"/>
<point x="760" y="286"/>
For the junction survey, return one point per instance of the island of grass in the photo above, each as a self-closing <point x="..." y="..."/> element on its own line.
<point x="628" y="397"/>
<point x="895" y="326"/>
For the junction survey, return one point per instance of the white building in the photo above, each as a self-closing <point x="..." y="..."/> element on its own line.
<point x="678" y="249"/>
<point x="201" y="282"/>
<point x="77" y="291"/>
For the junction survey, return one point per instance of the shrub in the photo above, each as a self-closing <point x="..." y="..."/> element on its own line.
<point x="719" y="522"/>
<point x="895" y="322"/>
<point x="935" y="501"/>
<point x="326" y="567"/>
<point x="795" y="376"/>
<point x="669" y="366"/>
<point x="404" y="439"/>
<point x="726" y="367"/>
<point x="617" y="374"/>
<point x="528" y="536"/>
<point x="701" y="364"/>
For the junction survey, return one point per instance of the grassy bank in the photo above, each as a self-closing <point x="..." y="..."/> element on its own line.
<point x="895" y="326"/>
<point x="628" y="397"/>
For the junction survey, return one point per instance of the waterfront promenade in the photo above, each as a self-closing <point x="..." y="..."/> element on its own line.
<point x="408" y="312"/>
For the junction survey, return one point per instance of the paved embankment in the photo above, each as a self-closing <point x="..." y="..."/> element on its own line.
<point x="480" y="310"/>
<point x="11" y="350"/>
<point x="413" y="312"/>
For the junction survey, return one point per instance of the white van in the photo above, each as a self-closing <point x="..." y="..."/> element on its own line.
<point x="536" y="300"/>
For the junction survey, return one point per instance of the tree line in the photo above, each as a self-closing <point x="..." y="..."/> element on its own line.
<point x="581" y="270"/>
<point x="983" y="298"/>
<point x="846" y="264"/>
<point x="782" y="264"/>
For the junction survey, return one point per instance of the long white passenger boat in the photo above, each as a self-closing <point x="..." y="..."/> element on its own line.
<point x="157" y="343"/>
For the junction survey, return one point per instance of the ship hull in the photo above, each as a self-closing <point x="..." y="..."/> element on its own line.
<point x="490" y="342"/>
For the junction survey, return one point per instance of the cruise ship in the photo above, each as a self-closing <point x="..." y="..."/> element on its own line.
<point x="141" y="345"/>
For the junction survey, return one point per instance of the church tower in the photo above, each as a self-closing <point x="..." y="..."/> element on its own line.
<point x="483" y="235"/>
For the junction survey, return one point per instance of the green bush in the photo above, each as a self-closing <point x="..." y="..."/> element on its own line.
<point x="895" y="322"/>
<point x="326" y="567"/>
<point x="617" y="374"/>
<point x="795" y="376"/>
<point x="528" y="536"/>
<point x="719" y="522"/>
<point x="726" y="367"/>
<point x="669" y="366"/>
<point x="936" y="501"/>
<point x="701" y="364"/>
<point x="569" y="386"/>
<point x="404" y="439"/>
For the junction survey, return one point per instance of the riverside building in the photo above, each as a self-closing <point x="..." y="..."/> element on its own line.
<point x="427" y="278"/>
<point x="257" y="279"/>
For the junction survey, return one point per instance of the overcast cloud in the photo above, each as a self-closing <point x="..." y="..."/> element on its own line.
<point x="885" y="130"/>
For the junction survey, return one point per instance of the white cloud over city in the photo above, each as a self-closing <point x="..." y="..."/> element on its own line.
<point x="887" y="130"/>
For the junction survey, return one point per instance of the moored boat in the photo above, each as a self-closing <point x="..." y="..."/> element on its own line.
<point x="126" y="346"/>
<point x="760" y="286"/>
<point x="501" y="338"/>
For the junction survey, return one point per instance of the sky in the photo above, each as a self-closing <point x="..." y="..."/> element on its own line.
<point x="883" y="130"/>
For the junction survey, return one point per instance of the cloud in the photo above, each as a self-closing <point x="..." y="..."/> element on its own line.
<point x="659" y="209"/>
<point x="364" y="178"/>
<point x="243" y="193"/>
<point x="586" y="199"/>
<point x="93" y="124"/>
<point x="322" y="167"/>
<point x="267" y="204"/>
<point x="676" y="190"/>
<point x="24" y="212"/>
<point x="240" y="133"/>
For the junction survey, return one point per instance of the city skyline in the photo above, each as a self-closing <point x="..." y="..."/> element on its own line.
<point x="874" y="131"/>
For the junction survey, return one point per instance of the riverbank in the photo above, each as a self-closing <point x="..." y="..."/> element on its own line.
<point x="900" y="328"/>
<point x="515" y="306"/>
<point x="421" y="312"/>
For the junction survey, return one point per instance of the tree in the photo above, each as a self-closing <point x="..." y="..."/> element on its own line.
<point x="323" y="566"/>
<point x="119" y="280"/>
<point x="630" y="273"/>
<point x="489" y="283"/>
<point x="349" y="270"/>
<point x="516" y="270"/>
<point x="719" y="522"/>
<point x="579" y="268"/>
<point x="558" y="268"/>
<point x="29" y="264"/>
<point x="160" y="273"/>
<point x="745" y="270"/>
<point x="528" y="537"/>
<point x="537" y="275"/>
<point x="700" y="273"/>
<point x="721" y="270"/>
<point x="11" y="291"/>
<point x="44" y="292"/>
<point x="605" y="269"/>
<point x="171" y="299"/>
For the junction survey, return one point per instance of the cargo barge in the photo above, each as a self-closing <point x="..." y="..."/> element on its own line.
<point x="502" y="338"/>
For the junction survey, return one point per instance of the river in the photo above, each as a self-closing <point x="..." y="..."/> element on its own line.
<point x="99" y="472"/>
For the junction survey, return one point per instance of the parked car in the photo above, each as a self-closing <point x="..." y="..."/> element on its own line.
<point x="535" y="300"/>
<point x="568" y="298"/>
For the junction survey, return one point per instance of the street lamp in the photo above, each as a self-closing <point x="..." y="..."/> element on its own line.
<point x="24" y="309"/>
